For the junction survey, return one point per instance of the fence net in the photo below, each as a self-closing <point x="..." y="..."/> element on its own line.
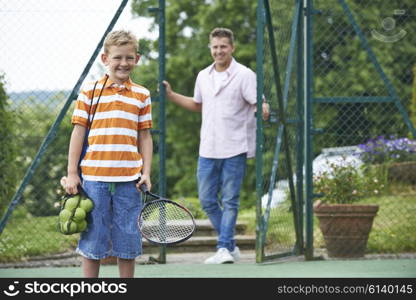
<point x="45" y="46"/>
<point x="363" y="105"/>
<point x="363" y="117"/>
<point x="363" y="81"/>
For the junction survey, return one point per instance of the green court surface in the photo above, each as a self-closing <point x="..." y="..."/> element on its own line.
<point x="378" y="268"/>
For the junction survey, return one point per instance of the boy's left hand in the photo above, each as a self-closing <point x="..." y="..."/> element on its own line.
<point x="144" y="179"/>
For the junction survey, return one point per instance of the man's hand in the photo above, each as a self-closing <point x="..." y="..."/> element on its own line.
<point x="266" y="111"/>
<point x="181" y="100"/>
<point x="169" y="90"/>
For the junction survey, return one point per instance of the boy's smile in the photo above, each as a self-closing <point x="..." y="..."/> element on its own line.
<point x="120" y="61"/>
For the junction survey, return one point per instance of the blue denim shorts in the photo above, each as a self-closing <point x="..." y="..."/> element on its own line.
<point x="112" y="225"/>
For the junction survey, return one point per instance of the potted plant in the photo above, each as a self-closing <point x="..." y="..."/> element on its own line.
<point x="345" y="223"/>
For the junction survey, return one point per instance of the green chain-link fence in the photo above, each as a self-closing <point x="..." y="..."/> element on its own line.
<point x="48" y="49"/>
<point x="352" y="67"/>
<point x="362" y="96"/>
<point x="345" y="79"/>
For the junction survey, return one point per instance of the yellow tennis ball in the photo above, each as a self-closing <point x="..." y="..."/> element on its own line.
<point x="71" y="203"/>
<point x="81" y="226"/>
<point x="79" y="215"/>
<point x="64" y="215"/>
<point x="62" y="227"/>
<point x="86" y="204"/>
<point x="71" y="228"/>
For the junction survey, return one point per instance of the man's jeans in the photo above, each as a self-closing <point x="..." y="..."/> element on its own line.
<point x="221" y="177"/>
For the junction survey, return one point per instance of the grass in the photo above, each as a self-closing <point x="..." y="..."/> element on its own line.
<point x="33" y="236"/>
<point x="395" y="225"/>
<point x="393" y="230"/>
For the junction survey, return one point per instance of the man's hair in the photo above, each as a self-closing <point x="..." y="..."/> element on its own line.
<point x="120" y="38"/>
<point x="221" y="33"/>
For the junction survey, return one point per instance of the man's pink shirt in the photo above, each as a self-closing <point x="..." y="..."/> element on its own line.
<point x="228" y="121"/>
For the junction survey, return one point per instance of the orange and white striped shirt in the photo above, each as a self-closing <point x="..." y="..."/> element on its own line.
<point x="112" y="154"/>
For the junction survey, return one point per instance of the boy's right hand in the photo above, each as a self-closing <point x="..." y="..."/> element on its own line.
<point x="71" y="184"/>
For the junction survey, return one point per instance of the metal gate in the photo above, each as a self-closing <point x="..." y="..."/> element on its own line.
<point x="279" y="145"/>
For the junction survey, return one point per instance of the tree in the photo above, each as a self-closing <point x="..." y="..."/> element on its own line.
<point x="342" y="67"/>
<point x="33" y="123"/>
<point x="188" y="24"/>
<point x="413" y="102"/>
<point x="8" y="153"/>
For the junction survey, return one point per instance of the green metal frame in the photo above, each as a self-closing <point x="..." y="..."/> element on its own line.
<point x="302" y="43"/>
<point x="264" y="19"/>
<point x="162" y="111"/>
<point x="259" y="131"/>
<point x="308" y="130"/>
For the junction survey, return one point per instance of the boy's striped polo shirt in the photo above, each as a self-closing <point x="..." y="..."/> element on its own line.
<point x="112" y="154"/>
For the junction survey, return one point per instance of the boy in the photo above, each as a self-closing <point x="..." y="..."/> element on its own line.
<point x="118" y="159"/>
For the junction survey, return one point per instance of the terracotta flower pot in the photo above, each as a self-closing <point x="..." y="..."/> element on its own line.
<point x="345" y="228"/>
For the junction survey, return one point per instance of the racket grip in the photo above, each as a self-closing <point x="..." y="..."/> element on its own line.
<point x="144" y="188"/>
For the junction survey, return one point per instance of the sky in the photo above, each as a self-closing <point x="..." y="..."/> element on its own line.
<point x="46" y="44"/>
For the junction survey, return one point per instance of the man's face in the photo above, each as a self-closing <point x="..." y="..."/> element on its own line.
<point x="221" y="51"/>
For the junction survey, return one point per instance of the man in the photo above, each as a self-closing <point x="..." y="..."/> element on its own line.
<point x="225" y="93"/>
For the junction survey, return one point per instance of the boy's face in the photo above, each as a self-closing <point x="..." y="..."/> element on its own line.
<point x="221" y="51"/>
<point x="120" y="61"/>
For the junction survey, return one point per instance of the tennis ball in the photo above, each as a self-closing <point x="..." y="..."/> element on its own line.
<point x="64" y="215"/>
<point x="81" y="226"/>
<point x="79" y="215"/>
<point x="62" y="227"/>
<point x="71" y="228"/>
<point x="71" y="203"/>
<point x="86" y="204"/>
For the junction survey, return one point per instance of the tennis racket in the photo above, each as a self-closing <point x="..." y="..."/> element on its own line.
<point x="164" y="222"/>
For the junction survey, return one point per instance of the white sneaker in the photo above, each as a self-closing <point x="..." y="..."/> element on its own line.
<point x="236" y="253"/>
<point x="222" y="256"/>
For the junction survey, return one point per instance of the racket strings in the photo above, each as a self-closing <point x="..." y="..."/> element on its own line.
<point x="165" y="222"/>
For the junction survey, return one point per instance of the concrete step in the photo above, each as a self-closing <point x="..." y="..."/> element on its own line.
<point x="202" y="244"/>
<point x="203" y="240"/>
<point x="204" y="228"/>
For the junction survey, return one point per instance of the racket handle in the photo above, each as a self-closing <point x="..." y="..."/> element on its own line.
<point x="144" y="188"/>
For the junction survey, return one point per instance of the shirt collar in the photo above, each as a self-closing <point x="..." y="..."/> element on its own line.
<point x="127" y="84"/>
<point x="230" y="70"/>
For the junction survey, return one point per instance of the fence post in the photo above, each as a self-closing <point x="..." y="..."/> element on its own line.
<point x="308" y="93"/>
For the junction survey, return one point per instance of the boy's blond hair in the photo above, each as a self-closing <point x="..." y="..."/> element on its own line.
<point x="120" y="38"/>
<point x="221" y="32"/>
